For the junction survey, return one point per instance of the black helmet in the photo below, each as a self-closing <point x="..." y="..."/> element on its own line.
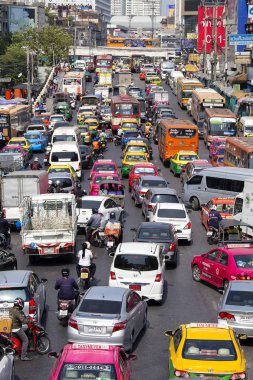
<point x="84" y="246"/>
<point x="65" y="272"/>
<point x="19" y="302"/>
<point x="112" y="215"/>
<point x="94" y="211"/>
<point x="79" y="186"/>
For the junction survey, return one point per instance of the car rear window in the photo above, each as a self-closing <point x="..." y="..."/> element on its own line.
<point x="64" y="157"/>
<point x="171" y="213"/>
<point x="12" y="293"/>
<point x="153" y="183"/>
<point x="96" y="306"/>
<point x="136" y="262"/>
<point x="88" y="205"/>
<point x="164" y="198"/>
<point x="137" y="148"/>
<point x="87" y="371"/>
<point x="105" y="168"/>
<point x="209" y="350"/>
<point x="64" y="138"/>
<point x="64" y="182"/>
<point x="32" y="137"/>
<point x="36" y="128"/>
<point x="240" y="298"/>
<point x="133" y="157"/>
<point x="244" y="261"/>
<point x="184" y="157"/>
<point x="155" y="234"/>
<point x="144" y="171"/>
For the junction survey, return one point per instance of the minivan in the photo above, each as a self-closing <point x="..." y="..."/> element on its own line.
<point x="66" y="152"/>
<point x="66" y="134"/>
<point x="214" y="182"/>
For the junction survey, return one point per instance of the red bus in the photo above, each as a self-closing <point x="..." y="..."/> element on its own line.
<point x="104" y="63"/>
<point x="124" y="107"/>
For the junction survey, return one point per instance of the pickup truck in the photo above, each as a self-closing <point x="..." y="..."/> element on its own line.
<point x="49" y="226"/>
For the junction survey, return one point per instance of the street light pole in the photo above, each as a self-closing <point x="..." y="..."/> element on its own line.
<point x="28" y="75"/>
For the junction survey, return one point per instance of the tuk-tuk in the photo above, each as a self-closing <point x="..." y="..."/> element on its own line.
<point x="113" y="189"/>
<point x="233" y="231"/>
<point x="64" y="109"/>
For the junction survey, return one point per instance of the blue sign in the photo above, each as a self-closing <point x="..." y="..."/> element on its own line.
<point x="241" y="39"/>
<point x="242" y="16"/>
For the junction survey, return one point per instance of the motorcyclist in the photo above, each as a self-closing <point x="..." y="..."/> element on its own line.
<point x="85" y="257"/>
<point x="18" y="318"/>
<point x="79" y="193"/>
<point x="35" y="165"/>
<point x="93" y="223"/>
<point x="51" y="188"/>
<point x="5" y="229"/>
<point x="58" y="188"/>
<point x="66" y="286"/>
<point x="96" y="146"/>
<point x="214" y="218"/>
<point x="119" y="132"/>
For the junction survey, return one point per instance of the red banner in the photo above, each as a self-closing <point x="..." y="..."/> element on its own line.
<point x="206" y="27"/>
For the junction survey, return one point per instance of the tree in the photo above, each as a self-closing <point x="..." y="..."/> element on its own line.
<point x="13" y="63"/>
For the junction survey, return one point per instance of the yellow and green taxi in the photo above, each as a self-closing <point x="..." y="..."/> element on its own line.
<point x="180" y="159"/>
<point x="205" y="350"/>
<point x="81" y="116"/>
<point x="85" y="134"/>
<point x="130" y="159"/>
<point x="22" y="141"/>
<point x="153" y="80"/>
<point x="93" y="125"/>
<point x="129" y="123"/>
<point x="63" y="168"/>
<point x="136" y="146"/>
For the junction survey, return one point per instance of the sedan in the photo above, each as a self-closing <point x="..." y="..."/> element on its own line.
<point x="141" y="169"/>
<point x="142" y="184"/>
<point x="175" y="214"/>
<point x="181" y="159"/>
<point x="109" y="315"/>
<point x="37" y="140"/>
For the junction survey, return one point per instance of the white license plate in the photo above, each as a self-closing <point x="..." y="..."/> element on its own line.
<point x="101" y="234"/>
<point x="110" y="244"/>
<point x="209" y="233"/>
<point x="48" y="250"/>
<point x="84" y="275"/>
<point x="95" y="329"/>
<point x="247" y="319"/>
<point x="63" y="313"/>
<point x="4" y="311"/>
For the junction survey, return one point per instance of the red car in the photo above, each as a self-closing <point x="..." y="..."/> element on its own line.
<point x="84" y="361"/>
<point x="17" y="149"/>
<point x="224" y="264"/>
<point x="139" y="170"/>
<point x="224" y="206"/>
<point x="104" y="167"/>
<point x="97" y="178"/>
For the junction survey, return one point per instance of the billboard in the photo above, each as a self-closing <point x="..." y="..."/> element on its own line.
<point x="21" y="17"/>
<point x="206" y="29"/>
<point x="171" y="16"/>
<point x="85" y="4"/>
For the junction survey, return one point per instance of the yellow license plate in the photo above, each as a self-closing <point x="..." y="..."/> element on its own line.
<point x="84" y="275"/>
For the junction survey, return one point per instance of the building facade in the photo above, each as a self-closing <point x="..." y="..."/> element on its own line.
<point x="118" y="7"/>
<point x="143" y="7"/>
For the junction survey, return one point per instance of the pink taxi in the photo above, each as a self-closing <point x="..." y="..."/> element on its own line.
<point x="224" y="264"/>
<point x="84" y="361"/>
<point x="104" y="167"/>
<point x="97" y="178"/>
<point x="216" y="142"/>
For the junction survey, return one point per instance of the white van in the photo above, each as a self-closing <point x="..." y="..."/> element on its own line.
<point x="66" y="152"/>
<point x="167" y="67"/>
<point x="172" y="80"/>
<point x="141" y="267"/>
<point x="66" y="134"/>
<point x="214" y="182"/>
<point x="245" y="125"/>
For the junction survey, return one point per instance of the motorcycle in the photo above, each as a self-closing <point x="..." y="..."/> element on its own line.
<point x="97" y="156"/>
<point x="84" y="280"/>
<point x="103" y="145"/>
<point x="113" y="236"/>
<point x="65" y="309"/>
<point x="38" y="340"/>
<point x="47" y="154"/>
<point x="98" y="238"/>
<point x="212" y="236"/>
<point x="117" y="140"/>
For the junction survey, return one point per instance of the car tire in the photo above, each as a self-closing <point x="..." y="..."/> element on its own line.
<point x="145" y="321"/>
<point x="196" y="273"/>
<point x="194" y="203"/>
<point x="131" y="345"/>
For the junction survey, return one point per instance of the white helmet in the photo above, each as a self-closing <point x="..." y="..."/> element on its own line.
<point x="213" y="207"/>
<point x="36" y="159"/>
<point x="50" y="182"/>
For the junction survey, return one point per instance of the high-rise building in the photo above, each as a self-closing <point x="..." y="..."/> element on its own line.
<point x="187" y="15"/>
<point x="118" y="7"/>
<point x="104" y="7"/>
<point x="142" y="7"/>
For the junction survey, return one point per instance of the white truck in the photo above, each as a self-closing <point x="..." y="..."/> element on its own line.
<point x="49" y="226"/>
<point x="243" y="209"/>
<point x="17" y="185"/>
<point x="125" y="78"/>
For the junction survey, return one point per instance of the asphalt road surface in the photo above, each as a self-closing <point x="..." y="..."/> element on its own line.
<point x="185" y="301"/>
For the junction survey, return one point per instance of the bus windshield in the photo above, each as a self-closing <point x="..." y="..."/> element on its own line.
<point x="104" y="62"/>
<point x="126" y="109"/>
<point x="71" y="81"/>
<point x="187" y="94"/>
<point x="222" y="127"/>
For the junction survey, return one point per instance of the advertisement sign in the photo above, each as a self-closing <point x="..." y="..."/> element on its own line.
<point x="206" y="16"/>
<point x="241" y="39"/>
<point x="86" y="4"/>
<point x="171" y="16"/>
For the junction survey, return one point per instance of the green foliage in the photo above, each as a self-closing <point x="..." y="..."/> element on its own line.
<point x="13" y="62"/>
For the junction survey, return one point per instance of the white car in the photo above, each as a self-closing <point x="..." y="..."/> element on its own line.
<point x="175" y="214"/>
<point x="104" y="205"/>
<point x="54" y="119"/>
<point x="140" y="267"/>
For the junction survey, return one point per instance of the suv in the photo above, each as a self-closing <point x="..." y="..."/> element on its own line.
<point x="140" y="267"/>
<point x="157" y="195"/>
<point x="26" y="285"/>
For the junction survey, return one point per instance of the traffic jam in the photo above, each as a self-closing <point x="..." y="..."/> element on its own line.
<point x="126" y="230"/>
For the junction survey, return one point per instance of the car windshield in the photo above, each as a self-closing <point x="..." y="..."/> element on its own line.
<point x="155" y="234"/>
<point x="165" y="198"/>
<point x="89" y="204"/>
<point x="11" y="294"/>
<point x="87" y="371"/>
<point x="136" y="262"/>
<point x="171" y="213"/>
<point x="240" y="298"/>
<point x="104" y="178"/>
<point x="57" y="118"/>
<point x="244" y="261"/>
<point x="131" y="134"/>
<point x="63" y="138"/>
<point x="153" y="183"/>
<point x="59" y="170"/>
<point x="137" y="148"/>
<point x="83" y="129"/>
<point x="98" y="306"/>
<point x="185" y="157"/>
<point x="209" y="350"/>
<point x="64" y="157"/>
<point x="104" y="168"/>
<point x="133" y="157"/>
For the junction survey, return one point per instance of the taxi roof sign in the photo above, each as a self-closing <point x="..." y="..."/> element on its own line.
<point x="81" y="346"/>
<point x="203" y="325"/>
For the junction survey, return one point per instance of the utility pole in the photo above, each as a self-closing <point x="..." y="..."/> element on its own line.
<point x="28" y="75"/>
<point x="152" y="4"/>
<point x="215" y="19"/>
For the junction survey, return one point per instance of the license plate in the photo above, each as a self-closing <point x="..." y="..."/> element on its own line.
<point x="48" y="250"/>
<point x="95" y="329"/>
<point x="110" y="244"/>
<point x="101" y="234"/>
<point x="247" y="319"/>
<point x="135" y="287"/>
<point x="84" y="275"/>
<point x="4" y="311"/>
<point x="63" y="313"/>
<point x="209" y="233"/>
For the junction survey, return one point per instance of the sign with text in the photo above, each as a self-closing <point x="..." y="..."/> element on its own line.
<point x="87" y="4"/>
<point x="241" y="39"/>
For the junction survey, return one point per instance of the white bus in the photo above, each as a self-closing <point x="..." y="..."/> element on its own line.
<point x="74" y="83"/>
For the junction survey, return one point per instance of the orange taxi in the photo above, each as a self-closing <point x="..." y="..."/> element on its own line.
<point x="224" y="206"/>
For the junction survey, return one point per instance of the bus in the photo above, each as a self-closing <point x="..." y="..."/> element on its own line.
<point x="203" y="98"/>
<point x="86" y="62"/>
<point x="104" y="63"/>
<point x="175" y="135"/>
<point x="124" y="106"/>
<point x="239" y="152"/>
<point x="14" y="120"/>
<point x="219" y="122"/>
<point x="184" y="89"/>
<point x="133" y="42"/>
<point x="74" y="83"/>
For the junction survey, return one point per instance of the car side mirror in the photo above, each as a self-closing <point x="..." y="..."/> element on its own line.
<point x="53" y="355"/>
<point x="43" y="280"/>
<point x="8" y="351"/>
<point x="168" y="333"/>
<point x="242" y="336"/>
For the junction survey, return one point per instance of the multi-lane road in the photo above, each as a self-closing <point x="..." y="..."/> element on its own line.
<point x="184" y="300"/>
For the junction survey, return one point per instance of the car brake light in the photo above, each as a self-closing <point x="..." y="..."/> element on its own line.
<point x="113" y="275"/>
<point x="238" y="376"/>
<point x="119" y="326"/>
<point x="172" y="247"/>
<point x="79" y="166"/>
<point x="150" y="207"/>
<point x="32" y="306"/>
<point x="180" y="373"/>
<point x="243" y="277"/>
<point x="188" y="226"/>
<point x="142" y="192"/>
<point x="225" y="315"/>
<point x="73" y="323"/>
<point x="88" y="134"/>
<point x="158" y="277"/>
<point x="4" y="213"/>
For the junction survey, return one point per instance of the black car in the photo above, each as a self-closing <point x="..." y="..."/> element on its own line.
<point x="7" y="260"/>
<point x="163" y="234"/>
<point x="88" y="76"/>
<point x="86" y="156"/>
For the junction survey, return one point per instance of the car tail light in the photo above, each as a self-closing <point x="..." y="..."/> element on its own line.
<point x="4" y="213"/>
<point x="32" y="306"/>
<point x="88" y="134"/>
<point x="73" y="323"/>
<point x="142" y="192"/>
<point x="79" y="166"/>
<point x="158" y="277"/>
<point x="225" y="315"/>
<point x="150" y="207"/>
<point x="119" y="326"/>
<point x="113" y="275"/>
<point x="172" y="247"/>
<point x="180" y="373"/>
<point x="39" y="142"/>
<point x="188" y="226"/>
<point x="243" y="277"/>
<point x="238" y="376"/>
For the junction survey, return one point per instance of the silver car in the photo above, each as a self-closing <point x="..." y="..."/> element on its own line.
<point x="26" y="285"/>
<point x="142" y="184"/>
<point x="7" y="364"/>
<point x="157" y="195"/>
<point x="235" y="308"/>
<point x="109" y="315"/>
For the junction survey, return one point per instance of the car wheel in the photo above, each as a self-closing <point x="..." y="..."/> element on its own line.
<point x="196" y="273"/>
<point x="194" y="203"/>
<point x="131" y="343"/>
<point x="145" y="321"/>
